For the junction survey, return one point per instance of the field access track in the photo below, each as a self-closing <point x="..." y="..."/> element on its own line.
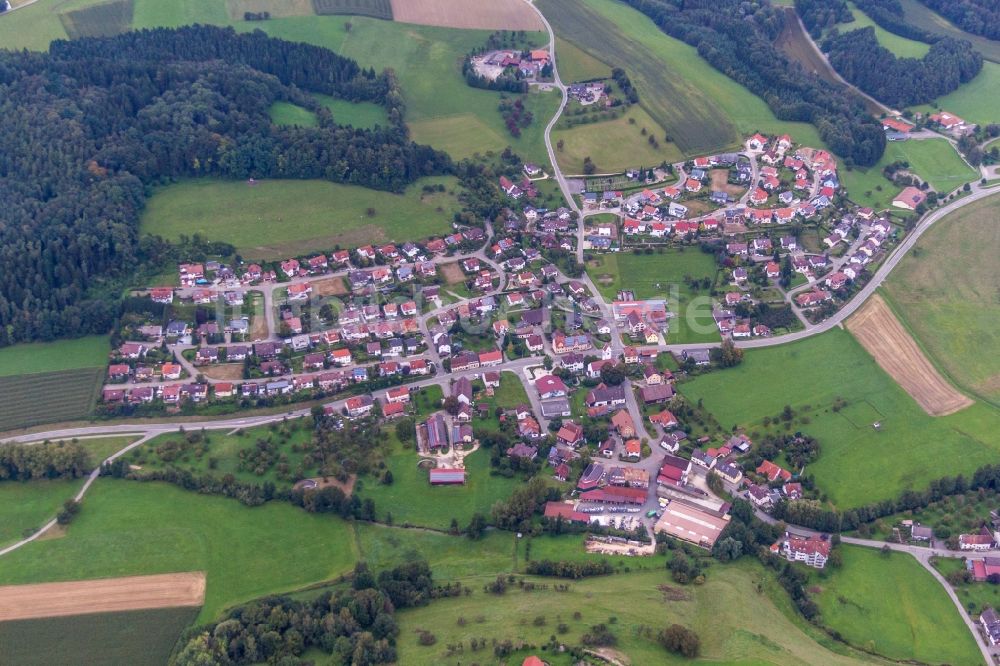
<point x="877" y="329"/>
<point x="24" y="602"/>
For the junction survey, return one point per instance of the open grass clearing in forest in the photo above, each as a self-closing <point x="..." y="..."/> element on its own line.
<point x="614" y="145"/>
<point x="893" y="606"/>
<point x="821" y="376"/>
<point x="900" y="46"/>
<point x="742" y="596"/>
<point x="26" y="602"/>
<point x="477" y="14"/>
<point x="96" y="639"/>
<point x="945" y="292"/>
<point x="130" y="528"/>
<point x="877" y="329"/>
<point x="276" y="218"/>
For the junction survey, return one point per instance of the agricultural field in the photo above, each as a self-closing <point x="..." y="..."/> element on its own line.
<point x="901" y="46"/>
<point x="893" y="606"/>
<point x="276" y="8"/>
<point x="411" y="499"/>
<point x="48" y="397"/>
<point x="380" y="9"/>
<point x="134" y="528"/>
<point x="27" y="506"/>
<point x="103" y="20"/>
<point x="918" y="14"/>
<point x="98" y="639"/>
<point x="219" y="455"/>
<point x="298" y="215"/>
<point x="977" y="101"/>
<point x="577" y="65"/>
<point x="760" y="626"/>
<point x="663" y="276"/>
<point x="675" y="85"/>
<point x="877" y="329"/>
<point x="89" y="352"/>
<point x="944" y="291"/>
<point x="934" y="160"/>
<point x="614" y="145"/>
<point x="476" y="14"/>
<point x="809" y="376"/>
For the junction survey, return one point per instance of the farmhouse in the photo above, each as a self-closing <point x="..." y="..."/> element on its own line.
<point x="674" y="471"/>
<point x="772" y="472"/>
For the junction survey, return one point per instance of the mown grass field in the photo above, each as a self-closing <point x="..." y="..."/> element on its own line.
<point x="945" y="293"/>
<point x="357" y="114"/>
<point x="934" y="160"/>
<point x="29" y="505"/>
<point x="662" y="276"/>
<point x="701" y="108"/>
<point x="901" y="46"/>
<point x="578" y="65"/>
<point x="892" y="605"/>
<point x="48" y="397"/>
<point x="100" y="639"/>
<point x="910" y="449"/>
<point x="978" y="101"/>
<point x="272" y="219"/>
<point x="918" y="14"/>
<point x="411" y="499"/>
<point x="130" y="527"/>
<point x="88" y="352"/>
<point x="758" y="625"/>
<point x="614" y="145"/>
<point x="112" y="17"/>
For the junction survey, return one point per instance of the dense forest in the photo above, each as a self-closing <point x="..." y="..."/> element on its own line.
<point x="354" y="626"/>
<point x="857" y="56"/>
<point x="821" y="15"/>
<point x="49" y="460"/>
<point x="980" y="17"/>
<point x="737" y="38"/>
<point x="91" y="125"/>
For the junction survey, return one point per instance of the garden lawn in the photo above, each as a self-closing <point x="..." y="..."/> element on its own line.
<point x="411" y="499"/>
<point x="910" y="449"/>
<point x="29" y="358"/>
<point x="759" y="628"/>
<point x="128" y="528"/>
<point x="662" y="276"/>
<point x="892" y="605"/>
<point x="614" y="145"/>
<point x="28" y="505"/>
<point x="944" y="291"/>
<point x="934" y="160"/>
<point x="675" y="85"/>
<point x="276" y="218"/>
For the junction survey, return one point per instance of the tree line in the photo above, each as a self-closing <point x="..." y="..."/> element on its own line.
<point x="737" y="39"/>
<point x="980" y="17"/>
<point x="49" y="460"/>
<point x="118" y="115"/>
<point x="858" y="57"/>
<point x="888" y="14"/>
<point x="821" y="15"/>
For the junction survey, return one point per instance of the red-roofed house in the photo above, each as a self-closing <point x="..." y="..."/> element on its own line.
<point x="772" y="472"/>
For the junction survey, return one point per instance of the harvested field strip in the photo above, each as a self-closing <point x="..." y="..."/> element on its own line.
<point x="24" y="602"/>
<point x="104" y="20"/>
<point x="479" y="14"/>
<point x="276" y="8"/>
<point x="380" y="9"/>
<point x="877" y="329"/>
<point x="47" y="397"/>
<point x="97" y="639"/>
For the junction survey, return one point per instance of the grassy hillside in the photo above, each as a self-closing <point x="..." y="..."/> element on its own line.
<point x="934" y="160"/>
<point x="279" y="217"/>
<point x="892" y="605"/>
<point x="614" y="145"/>
<point x="945" y="292"/>
<point x="809" y="376"/>
<point x="131" y="528"/>
<point x="901" y="46"/>
<point x="978" y="101"/>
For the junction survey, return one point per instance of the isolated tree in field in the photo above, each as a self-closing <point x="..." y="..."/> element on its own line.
<point x="680" y="640"/>
<point x="559" y="145"/>
<point x="588" y="165"/>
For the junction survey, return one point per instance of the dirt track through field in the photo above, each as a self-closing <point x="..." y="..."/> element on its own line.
<point x="877" y="329"/>
<point x="479" y="14"/>
<point x="25" y="602"/>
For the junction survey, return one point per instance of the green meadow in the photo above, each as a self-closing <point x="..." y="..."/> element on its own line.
<point x="576" y="64"/>
<point x="934" y="160"/>
<point x="130" y="528"/>
<point x="944" y="291"/>
<point x="908" y="451"/>
<point x="89" y="352"/>
<point x="978" y="101"/>
<point x="26" y="506"/>
<point x="613" y="145"/>
<point x="890" y="604"/>
<point x="274" y="218"/>
<point x="901" y="46"/>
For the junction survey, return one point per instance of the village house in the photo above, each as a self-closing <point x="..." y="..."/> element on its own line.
<point x="814" y="551"/>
